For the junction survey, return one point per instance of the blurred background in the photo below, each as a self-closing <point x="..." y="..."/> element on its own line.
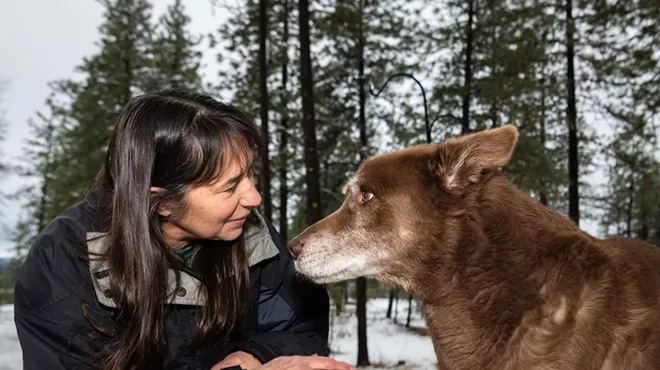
<point x="580" y="79"/>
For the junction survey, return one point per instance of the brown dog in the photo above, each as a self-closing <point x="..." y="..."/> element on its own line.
<point x="506" y="283"/>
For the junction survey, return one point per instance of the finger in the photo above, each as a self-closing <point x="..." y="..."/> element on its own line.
<point x="344" y="366"/>
<point x="319" y="362"/>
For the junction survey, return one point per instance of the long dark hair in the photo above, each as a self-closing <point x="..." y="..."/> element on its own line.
<point x="174" y="140"/>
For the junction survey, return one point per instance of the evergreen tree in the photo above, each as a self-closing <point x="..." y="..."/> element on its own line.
<point x="632" y="194"/>
<point x="624" y="54"/>
<point x="312" y="186"/>
<point x="110" y="79"/>
<point x="355" y="55"/>
<point x="284" y="137"/>
<point x="5" y="166"/>
<point x="264" y="109"/>
<point x="519" y="66"/>
<point x="239" y="42"/>
<point x="131" y="60"/>
<point x="37" y="169"/>
<point x="174" y="59"/>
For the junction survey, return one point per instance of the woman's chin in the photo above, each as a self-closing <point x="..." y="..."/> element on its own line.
<point x="230" y="234"/>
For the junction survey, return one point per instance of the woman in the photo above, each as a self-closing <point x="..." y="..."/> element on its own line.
<point x="166" y="264"/>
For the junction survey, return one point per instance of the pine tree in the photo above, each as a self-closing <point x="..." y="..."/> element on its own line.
<point x="264" y="107"/>
<point x="238" y="39"/>
<point x="312" y="186"/>
<point x="174" y="59"/>
<point x="355" y="58"/>
<point x="37" y="169"/>
<point x="631" y="203"/>
<point x="573" y="160"/>
<point x="519" y="67"/>
<point x="283" y="155"/>
<point x="525" y="87"/>
<point x="624" y="55"/>
<point x="133" y="59"/>
<point x="110" y="79"/>
<point x="4" y="165"/>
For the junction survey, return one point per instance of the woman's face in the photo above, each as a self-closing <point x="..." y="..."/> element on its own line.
<point x="215" y="211"/>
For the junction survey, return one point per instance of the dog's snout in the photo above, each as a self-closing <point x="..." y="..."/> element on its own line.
<point x="295" y="247"/>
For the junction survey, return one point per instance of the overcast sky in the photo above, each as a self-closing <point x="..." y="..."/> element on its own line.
<point x="44" y="40"/>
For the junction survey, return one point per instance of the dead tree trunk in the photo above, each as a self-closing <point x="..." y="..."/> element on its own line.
<point x="263" y="97"/>
<point x="410" y="300"/>
<point x="573" y="173"/>
<point x="309" y="118"/>
<point x="389" y="304"/>
<point x="361" y="283"/>
<point x="467" y="83"/>
<point x="284" y="123"/>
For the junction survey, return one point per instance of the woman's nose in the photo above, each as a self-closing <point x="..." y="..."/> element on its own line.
<point x="251" y="198"/>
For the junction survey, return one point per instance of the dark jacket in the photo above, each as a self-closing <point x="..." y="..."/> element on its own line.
<point x="290" y="315"/>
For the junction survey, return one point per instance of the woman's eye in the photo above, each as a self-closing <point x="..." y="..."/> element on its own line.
<point x="231" y="190"/>
<point x="366" y="196"/>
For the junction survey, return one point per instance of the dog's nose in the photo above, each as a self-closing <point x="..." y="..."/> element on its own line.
<point x="295" y="247"/>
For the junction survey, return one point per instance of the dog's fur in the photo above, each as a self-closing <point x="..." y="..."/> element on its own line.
<point x="505" y="282"/>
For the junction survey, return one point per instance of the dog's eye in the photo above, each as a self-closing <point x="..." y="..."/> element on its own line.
<point x="365" y="196"/>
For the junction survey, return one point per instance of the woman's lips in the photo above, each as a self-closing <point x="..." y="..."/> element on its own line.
<point x="239" y="220"/>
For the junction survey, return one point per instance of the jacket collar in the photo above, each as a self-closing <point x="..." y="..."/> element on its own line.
<point x="259" y="246"/>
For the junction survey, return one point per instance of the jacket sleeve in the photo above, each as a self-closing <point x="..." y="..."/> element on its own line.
<point x="48" y="340"/>
<point x="51" y="330"/>
<point x="292" y="312"/>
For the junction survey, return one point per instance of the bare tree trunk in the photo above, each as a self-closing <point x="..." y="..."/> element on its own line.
<point x="42" y="218"/>
<point x="494" y="107"/>
<point x="361" y="283"/>
<point x="363" y="353"/>
<point x="467" y="84"/>
<point x="284" y="123"/>
<point x="644" y="216"/>
<point x="631" y="201"/>
<point x="410" y="299"/>
<point x="389" y="304"/>
<point x="263" y="92"/>
<point x="396" y="304"/>
<point x="573" y="173"/>
<point x="543" y="192"/>
<point x="644" y="232"/>
<point x="314" y="213"/>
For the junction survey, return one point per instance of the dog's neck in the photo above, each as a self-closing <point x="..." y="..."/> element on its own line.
<point x="509" y="221"/>
<point x="498" y="226"/>
<point x="482" y="284"/>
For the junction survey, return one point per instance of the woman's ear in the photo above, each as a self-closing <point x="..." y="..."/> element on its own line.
<point x="163" y="210"/>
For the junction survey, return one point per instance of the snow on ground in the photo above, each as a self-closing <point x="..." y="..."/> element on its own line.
<point x="390" y="345"/>
<point x="10" y="351"/>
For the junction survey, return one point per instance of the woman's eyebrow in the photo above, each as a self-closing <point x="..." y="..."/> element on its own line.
<point x="236" y="178"/>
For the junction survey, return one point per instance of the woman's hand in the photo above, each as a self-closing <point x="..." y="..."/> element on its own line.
<point x="289" y="362"/>
<point x="240" y="358"/>
<point x="305" y="363"/>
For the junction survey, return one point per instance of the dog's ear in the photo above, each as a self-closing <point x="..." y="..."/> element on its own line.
<point x="460" y="161"/>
